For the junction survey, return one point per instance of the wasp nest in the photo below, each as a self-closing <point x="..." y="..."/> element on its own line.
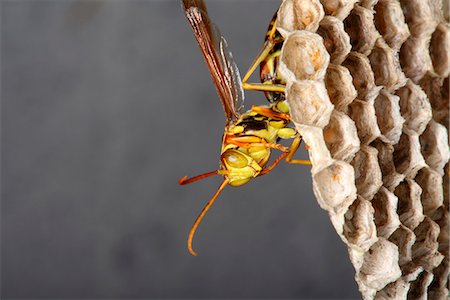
<point x="367" y="83"/>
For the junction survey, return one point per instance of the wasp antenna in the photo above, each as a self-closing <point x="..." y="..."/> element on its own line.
<point x="202" y="214"/>
<point x="185" y="180"/>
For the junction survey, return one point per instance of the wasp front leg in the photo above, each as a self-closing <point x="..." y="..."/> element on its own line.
<point x="290" y="133"/>
<point x="288" y="155"/>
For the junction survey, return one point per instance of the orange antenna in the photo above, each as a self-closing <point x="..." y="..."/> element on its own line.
<point x="203" y="212"/>
<point x="185" y="180"/>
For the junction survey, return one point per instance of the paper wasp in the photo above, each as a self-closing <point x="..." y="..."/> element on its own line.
<point x="249" y="137"/>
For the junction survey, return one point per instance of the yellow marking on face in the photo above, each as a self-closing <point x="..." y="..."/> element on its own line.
<point x="239" y="182"/>
<point x="240" y="176"/>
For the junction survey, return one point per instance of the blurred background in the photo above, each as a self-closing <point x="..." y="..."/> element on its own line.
<point x="105" y="105"/>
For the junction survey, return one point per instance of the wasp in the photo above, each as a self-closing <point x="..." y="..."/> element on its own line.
<point x="249" y="137"/>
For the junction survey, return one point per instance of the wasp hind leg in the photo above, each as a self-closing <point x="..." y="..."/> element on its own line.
<point x="264" y="87"/>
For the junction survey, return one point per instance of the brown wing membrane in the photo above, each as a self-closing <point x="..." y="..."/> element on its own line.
<point x="200" y="4"/>
<point x="203" y="30"/>
<point x="231" y="72"/>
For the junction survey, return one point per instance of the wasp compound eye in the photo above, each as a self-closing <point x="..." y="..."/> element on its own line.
<point x="235" y="159"/>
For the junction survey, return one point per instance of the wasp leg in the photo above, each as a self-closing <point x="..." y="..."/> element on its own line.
<point x="264" y="87"/>
<point x="288" y="154"/>
<point x="294" y="147"/>
<point x="273" y="165"/>
<point x="267" y="112"/>
<point x="249" y="141"/>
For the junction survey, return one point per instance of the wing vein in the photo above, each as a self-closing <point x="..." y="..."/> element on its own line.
<point x="219" y="65"/>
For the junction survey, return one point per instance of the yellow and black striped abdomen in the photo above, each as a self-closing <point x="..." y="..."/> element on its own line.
<point x="268" y="67"/>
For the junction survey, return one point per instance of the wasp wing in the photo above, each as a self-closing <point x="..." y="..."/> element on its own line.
<point x="231" y="71"/>
<point x="222" y="68"/>
<point x="200" y="4"/>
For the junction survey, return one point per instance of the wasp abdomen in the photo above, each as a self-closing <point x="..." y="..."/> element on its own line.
<point x="268" y="67"/>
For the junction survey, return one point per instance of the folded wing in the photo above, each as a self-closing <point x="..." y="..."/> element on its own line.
<point x="221" y="65"/>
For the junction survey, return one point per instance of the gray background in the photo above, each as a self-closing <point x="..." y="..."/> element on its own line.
<point x="105" y="105"/>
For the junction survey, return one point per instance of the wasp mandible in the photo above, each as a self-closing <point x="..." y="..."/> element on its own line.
<point x="249" y="137"/>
